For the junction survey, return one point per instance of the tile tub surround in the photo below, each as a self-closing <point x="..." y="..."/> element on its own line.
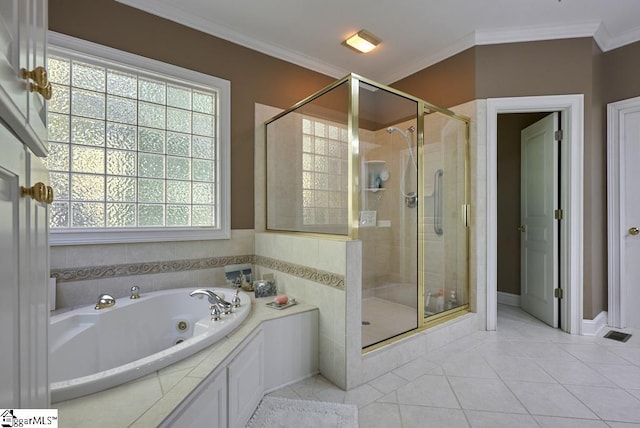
<point x="339" y="340"/>
<point x="148" y="401"/>
<point x="85" y="271"/>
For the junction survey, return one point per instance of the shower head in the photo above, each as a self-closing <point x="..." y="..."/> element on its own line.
<point x="410" y="197"/>
<point x="393" y="129"/>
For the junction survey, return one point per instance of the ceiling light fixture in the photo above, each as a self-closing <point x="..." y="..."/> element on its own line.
<point x="362" y="41"/>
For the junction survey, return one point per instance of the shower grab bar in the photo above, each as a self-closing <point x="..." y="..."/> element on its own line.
<point x="437" y="202"/>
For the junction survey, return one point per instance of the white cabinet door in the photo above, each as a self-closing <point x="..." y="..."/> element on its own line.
<point x="34" y="295"/>
<point x="24" y="264"/>
<point x="23" y="26"/>
<point x="291" y="344"/>
<point x="12" y="172"/>
<point x="246" y="381"/>
<point x="207" y="409"/>
<point x="36" y="114"/>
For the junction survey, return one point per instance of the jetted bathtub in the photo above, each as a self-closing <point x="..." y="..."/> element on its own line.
<point x="91" y="350"/>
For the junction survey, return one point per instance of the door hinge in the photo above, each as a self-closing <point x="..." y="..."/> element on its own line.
<point x="559" y="293"/>
<point x="558" y="214"/>
<point x="558" y="135"/>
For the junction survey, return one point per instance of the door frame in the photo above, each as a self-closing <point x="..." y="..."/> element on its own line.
<point x="615" y="210"/>
<point x="571" y="178"/>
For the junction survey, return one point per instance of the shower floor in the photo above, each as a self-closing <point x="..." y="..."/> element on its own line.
<point x="385" y="319"/>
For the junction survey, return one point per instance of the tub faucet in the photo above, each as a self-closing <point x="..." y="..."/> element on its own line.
<point x="105" y="301"/>
<point x="135" y="292"/>
<point x="218" y="304"/>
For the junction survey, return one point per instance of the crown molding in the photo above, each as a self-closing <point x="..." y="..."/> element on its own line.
<point x="535" y="33"/>
<point x="593" y="29"/>
<point x="179" y="16"/>
<point x="608" y="43"/>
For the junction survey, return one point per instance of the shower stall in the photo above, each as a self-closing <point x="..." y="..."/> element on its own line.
<point x="362" y="161"/>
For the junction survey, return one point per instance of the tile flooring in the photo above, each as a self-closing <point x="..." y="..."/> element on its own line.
<point x="523" y="375"/>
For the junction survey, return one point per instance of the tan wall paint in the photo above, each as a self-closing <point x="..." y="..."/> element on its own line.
<point x="621" y="71"/>
<point x="255" y="77"/>
<point x="448" y="83"/>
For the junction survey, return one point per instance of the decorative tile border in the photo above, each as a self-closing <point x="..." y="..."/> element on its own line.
<point x="305" y="272"/>
<point x="113" y="271"/>
<point x="131" y="269"/>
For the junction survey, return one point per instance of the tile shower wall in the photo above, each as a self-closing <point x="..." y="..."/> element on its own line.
<point x="389" y="249"/>
<point x="106" y="268"/>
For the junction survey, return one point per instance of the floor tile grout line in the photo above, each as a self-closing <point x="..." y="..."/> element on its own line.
<point x="535" y="337"/>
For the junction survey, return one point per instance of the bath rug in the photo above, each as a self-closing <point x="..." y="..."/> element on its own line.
<point x="277" y="412"/>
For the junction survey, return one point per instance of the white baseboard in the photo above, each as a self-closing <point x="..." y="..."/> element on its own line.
<point x="509" y="299"/>
<point x="593" y="327"/>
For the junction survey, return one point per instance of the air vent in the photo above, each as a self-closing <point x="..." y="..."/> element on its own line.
<point x="617" y="335"/>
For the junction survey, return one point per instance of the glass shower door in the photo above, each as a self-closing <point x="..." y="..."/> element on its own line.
<point x="445" y="210"/>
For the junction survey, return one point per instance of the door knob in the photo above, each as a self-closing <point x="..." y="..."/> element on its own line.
<point x="522" y="229"/>
<point x="634" y="231"/>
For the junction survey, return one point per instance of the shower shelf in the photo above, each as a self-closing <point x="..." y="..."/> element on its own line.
<point x="375" y="169"/>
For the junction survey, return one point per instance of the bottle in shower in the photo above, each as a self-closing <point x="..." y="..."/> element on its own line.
<point x="452" y="302"/>
<point x="440" y="301"/>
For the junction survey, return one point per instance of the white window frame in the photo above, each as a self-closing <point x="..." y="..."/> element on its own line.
<point x="59" y="44"/>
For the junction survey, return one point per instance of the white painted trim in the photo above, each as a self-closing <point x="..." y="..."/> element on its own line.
<point x="508" y="299"/>
<point x="536" y="33"/>
<point x="571" y="255"/>
<point x="594" y="327"/>
<point x="616" y="208"/>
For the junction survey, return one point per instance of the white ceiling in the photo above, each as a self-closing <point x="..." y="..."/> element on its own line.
<point x="414" y="33"/>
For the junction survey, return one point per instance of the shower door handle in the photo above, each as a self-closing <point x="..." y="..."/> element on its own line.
<point x="437" y="202"/>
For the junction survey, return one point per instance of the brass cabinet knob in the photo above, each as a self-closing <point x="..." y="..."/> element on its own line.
<point x="38" y="75"/>
<point x="40" y="82"/>
<point x="39" y="191"/>
<point x="45" y="91"/>
<point x="634" y="231"/>
<point x="50" y="195"/>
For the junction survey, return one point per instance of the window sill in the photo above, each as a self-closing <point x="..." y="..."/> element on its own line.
<point x="122" y="236"/>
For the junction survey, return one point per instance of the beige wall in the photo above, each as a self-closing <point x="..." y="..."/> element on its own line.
<point x="448" y="83"/>
<point x="621" y="70"/>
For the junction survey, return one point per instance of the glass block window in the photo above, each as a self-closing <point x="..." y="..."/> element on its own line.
<point x="131" y="148"/>
<point x="324" y="172"/>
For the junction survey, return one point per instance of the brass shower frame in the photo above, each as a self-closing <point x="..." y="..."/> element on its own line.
<point x="353" y="207"/>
